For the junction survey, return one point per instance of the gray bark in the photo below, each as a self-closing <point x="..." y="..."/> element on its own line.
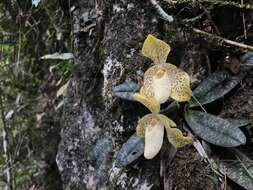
<point x="92" y="115"/>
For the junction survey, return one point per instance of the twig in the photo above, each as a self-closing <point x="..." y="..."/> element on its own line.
<point x="225" y="178"/>
<point x="161" y="12"/>
<point x="243" y="21"/>
<point x="199" y="103"/>
<point x="247" y="6"/>
<point x="169" y="18"/>
<point x="207" y="12"/>
<point x="194" y="18"/>
<point x="229" y="42"/>
<point x="251" y="65"/>
<point x="6" y="144"/>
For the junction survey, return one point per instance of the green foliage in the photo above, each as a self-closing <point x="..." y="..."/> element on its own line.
<point x="28" y="85"/>
<point x="25" y="171"/>
<point x="63" y="69"/>
<point x="60" y="56"/>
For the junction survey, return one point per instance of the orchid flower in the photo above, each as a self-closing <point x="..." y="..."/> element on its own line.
<point x="151" y="127"/>
<point x="161" y="82"/>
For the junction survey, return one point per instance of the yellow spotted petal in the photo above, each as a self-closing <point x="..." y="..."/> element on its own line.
<point x="151" y="103"/>
<point x="155" y="49"/>
<point x="174" y="135"/>
<point x="153" y="139"/>
<point x="176" y="138"/>
<point x="147" y="90"/>
<point x="180" y="86"/>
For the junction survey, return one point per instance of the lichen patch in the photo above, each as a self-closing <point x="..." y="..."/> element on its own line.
<point x="112" y="71"/>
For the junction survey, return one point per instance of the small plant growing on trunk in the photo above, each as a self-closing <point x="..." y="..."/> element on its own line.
<point x="164" y="81"/>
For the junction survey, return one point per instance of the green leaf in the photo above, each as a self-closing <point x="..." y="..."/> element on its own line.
<point x="62" y="90"/>
<point x="214" y="129"/>
<point x="61" y="56"/>
<point x="130" y="151"/>
<point x="215" y="87"/>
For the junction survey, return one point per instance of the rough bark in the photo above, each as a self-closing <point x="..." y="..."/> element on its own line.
<point x="93" y="117"/>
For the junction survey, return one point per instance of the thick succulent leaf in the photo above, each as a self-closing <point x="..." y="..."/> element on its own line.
<point x="208" y="84"/>
<point x="239" y="122"/>
<point x="214" y="87"/>
<point x="240" y="171"/>
<point x="180" y="86"/>
<point x="151" y="103"/>
<point x="130" y="151"/>
<point x="125" y="95"/>
<point x="218" y="83"/>
<point x="128" y="86"/>
<point x="153" y="140"/>
<point x="126" y="90"/>
<point x="247" y="59"/>
<point x="174" y="135"/>
<point x="155" y="49"/>
<point x="214" y="129"/>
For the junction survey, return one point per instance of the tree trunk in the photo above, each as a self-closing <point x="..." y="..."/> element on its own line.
<point x="92" y="115"/>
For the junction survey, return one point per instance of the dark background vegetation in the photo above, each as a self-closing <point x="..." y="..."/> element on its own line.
<point x="31" y="88"/>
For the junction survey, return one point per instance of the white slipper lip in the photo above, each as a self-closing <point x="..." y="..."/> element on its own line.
<point x="153" y="140"/>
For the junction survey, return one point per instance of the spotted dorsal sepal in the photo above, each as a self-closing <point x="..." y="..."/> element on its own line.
<point x="155" y="49"/>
